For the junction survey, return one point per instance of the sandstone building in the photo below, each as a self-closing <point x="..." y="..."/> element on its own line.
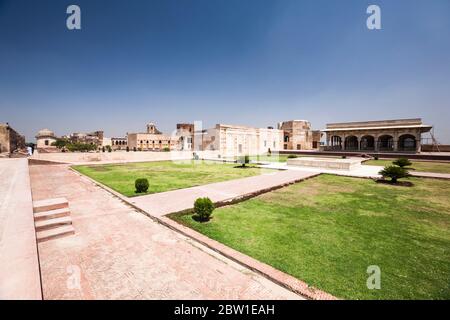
<point x="10" y="140"/>
<point x="185" y="135"/>
<point x="402" y="135"/>
<point x="152" y="140"/>
<point x="232" y="140"/>
<point x="119" y="143"/>
<point x="298" y="135"/>
<point x="45" y="139"/>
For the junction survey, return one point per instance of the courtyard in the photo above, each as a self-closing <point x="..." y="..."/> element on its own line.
<point x="327" y="230"/>
<point x="165" y="175"/>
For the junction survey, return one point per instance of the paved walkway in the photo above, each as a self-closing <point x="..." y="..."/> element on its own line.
<point x="360" y="172"/>
<point x="118" y="253"/>
<point x="364" y="171"/>
<point x="163" y="203"/>
<point x="430" y="175"/>
<point x="19" y="267"/>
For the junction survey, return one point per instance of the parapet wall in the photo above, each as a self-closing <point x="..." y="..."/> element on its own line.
<point x="19" y="263"/>
<point x="119" y="156"/>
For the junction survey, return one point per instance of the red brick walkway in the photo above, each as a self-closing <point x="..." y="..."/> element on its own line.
<point x="118" y="253"/>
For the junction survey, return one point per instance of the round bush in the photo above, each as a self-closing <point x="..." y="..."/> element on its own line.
<point x="141" y="185"/>
<point x="402" y="162"/>
<point x="394" y="173"/>
<point x="203" y="208"/>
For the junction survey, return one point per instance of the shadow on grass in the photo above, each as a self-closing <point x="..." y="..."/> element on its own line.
<point x="395" y="184"/>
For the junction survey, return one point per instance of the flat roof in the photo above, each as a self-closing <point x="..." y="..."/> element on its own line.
<point x="422" y="126"/>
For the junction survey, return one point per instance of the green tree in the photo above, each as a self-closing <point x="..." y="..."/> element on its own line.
<point x="243" y="160"/>
<point x="402" y="162"/>
<point x="394" y="173"/>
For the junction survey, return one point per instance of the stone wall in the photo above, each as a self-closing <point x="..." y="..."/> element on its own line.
<point x="119" y="156"/>
<point x="10" y="140"/>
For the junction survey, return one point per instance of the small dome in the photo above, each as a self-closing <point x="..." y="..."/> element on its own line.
<point x="45" y="133"/>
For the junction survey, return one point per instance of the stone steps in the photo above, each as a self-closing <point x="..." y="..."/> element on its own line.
<point x="51" y="214"/>
<point x="52" y="223"/>
<point x="54" y="233"/>
<point x="50" y="204"/>
<point x="52" y="219"/>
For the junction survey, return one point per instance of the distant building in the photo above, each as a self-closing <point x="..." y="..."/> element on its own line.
<point x="402" y="135"/>
<point x="185" y="135"/>
<point x="119" y="143"/>
<point x="10" y="140"/>
<point x="232" y="140"/>
<point x="45" y="139"/>
<point x="298" y="135"/>
<point x="95" y="138"/>
<point x="152" y="140"/>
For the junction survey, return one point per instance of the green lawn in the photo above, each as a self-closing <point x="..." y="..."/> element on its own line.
<point x="329" y="229"/>
<point x="165" y="175"/>
<point x="437" y="167"/>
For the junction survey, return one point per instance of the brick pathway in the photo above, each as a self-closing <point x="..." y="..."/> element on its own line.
<point x="118" y="253"/>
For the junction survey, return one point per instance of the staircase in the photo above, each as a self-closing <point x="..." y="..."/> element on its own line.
<point x="52" y="219"/>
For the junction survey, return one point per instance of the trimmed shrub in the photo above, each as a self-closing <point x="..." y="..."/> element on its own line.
<point x="394" y="173"/>
<point x="402" y="162"/>
<point x="128" y="149"/>
<point x="243" y="160"/>
<point x="344" y="157"/>
<point x="203" y="208"/>
<point x="166" y="149"/>
<point x="292" y="156"/>
<point x="141" y="185"/>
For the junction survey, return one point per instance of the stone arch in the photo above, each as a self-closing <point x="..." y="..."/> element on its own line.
<point x="351" y="143"/>
<point x="407" y="142"/>
<point x="386" y="143"/>
<point x="336" y="142"/>
<point x="367" y="143"/>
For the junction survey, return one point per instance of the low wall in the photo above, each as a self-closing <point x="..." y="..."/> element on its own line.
<point x="433" y="148"/>
<point x="118" y="156"/>
<point x="19" y="263"/>
<point x="382" y="155"/>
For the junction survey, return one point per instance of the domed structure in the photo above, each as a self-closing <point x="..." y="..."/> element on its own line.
<point x="45" y="139"/>
<point x="45" y="133"/>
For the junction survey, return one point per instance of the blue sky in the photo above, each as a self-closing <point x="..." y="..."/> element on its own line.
<point x="250" y="62"/>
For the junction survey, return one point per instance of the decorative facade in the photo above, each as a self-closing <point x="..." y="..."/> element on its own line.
<point x="119" y="143"/>
<point x="152" y="140"/>
<point x="298" y="135"/>
<point x="232" y="140"/>
<point x="402" y="135"/>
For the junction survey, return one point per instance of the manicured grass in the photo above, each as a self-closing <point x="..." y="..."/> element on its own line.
<point x="327" y="230"/>
<point x="165" y="175"/>
<point x="425" y="166"/>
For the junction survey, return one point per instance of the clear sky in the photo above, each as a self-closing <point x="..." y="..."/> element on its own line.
<point x="250" y="62"/>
